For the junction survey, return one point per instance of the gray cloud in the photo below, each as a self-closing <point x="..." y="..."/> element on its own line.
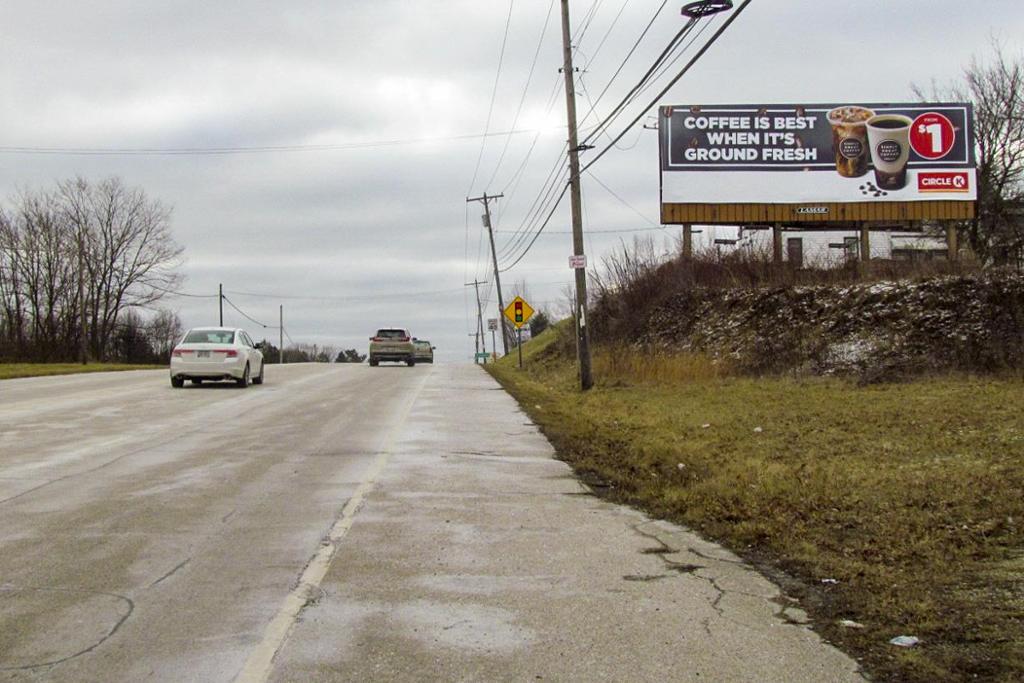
<point x="386" y="230"/>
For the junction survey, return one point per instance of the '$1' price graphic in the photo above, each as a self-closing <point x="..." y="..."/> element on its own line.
<point x="932" y="136"/>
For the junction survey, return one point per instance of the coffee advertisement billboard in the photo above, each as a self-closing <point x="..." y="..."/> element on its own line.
<point x="802" y="154"/>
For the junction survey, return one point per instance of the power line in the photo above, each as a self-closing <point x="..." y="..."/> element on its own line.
<point x="494" y="94"/>
<point x="626" y="59"/>
<point x="526" y="89"/>
<point x="622" y="201"/>
<point x="541" y="204"/>
<point x="689" y="64"/>
<point x="539" y="230"/>
<point x="616" y="231"/>
<point x="268" y="149"/>
<point x="367" y="297"/>
<point x="607" y="33"/>
<point x="250" y="318"/>
<point x="587" y="19"/>
<point x="631" y="95"/>
<point x="550" y="183"/>
<point x="184" y="294"/>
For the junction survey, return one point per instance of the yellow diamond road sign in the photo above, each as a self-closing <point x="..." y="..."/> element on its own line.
<point x="518" y="312"/>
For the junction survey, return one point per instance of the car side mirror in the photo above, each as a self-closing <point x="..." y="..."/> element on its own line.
<point x="433" y="348"/>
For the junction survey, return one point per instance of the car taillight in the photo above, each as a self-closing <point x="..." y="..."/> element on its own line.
<point x="376" y="339"/>
<point x="178" y="353"/>
<point x="404" y="339"/>
<point x="230" y="353"/>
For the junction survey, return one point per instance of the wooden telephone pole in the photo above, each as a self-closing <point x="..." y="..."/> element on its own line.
<point x="580" y="314"/>
<point x="485" y="199"/>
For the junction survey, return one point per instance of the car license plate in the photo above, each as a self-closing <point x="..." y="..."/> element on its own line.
<point x="203" y="354"/>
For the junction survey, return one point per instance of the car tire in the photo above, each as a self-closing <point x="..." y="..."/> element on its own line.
<point x="258" y="379"/>
<point x="177" y="382"/>
<point x="197" y="382"/>
<point x="374" y="363"/>
<point x="243" y="382"/>
<point x="410" y="362"/>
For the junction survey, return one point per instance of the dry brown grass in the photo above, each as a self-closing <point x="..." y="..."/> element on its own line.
<point x="908" y="495"/>
<point x="626" y="365"/>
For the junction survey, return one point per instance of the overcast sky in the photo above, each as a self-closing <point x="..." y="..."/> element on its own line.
<point x="380" y="232"/>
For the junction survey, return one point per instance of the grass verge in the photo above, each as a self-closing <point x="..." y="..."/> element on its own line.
<point x="907" y="495"/>
<point x="14" y="370"/>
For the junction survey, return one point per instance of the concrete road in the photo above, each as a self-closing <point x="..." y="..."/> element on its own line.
<point x="348" y="523"/>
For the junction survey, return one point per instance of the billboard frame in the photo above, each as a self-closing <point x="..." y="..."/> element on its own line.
<point x="808" y="214"/>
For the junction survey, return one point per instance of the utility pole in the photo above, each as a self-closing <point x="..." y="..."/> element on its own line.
<point x="475" y="284"/>
<point x="280" y="335"/>
<point x="82" y="345"/>
<point x="494" y="257"/>
<point x="220" y="302"/>
<point x="580" y="314"/>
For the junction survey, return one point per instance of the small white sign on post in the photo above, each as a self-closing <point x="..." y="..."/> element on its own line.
<point x="578" y="261"/>
<point x="492" y="324"/>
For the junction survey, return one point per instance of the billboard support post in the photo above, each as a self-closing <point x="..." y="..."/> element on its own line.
<point x="777" y="244"/>
<point x="687" y="241"/>
<point x="951" y="245"/>
<point x="865" y="243"/>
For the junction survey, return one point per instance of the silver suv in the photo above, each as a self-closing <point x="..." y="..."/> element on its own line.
<point x="392" y="344"/>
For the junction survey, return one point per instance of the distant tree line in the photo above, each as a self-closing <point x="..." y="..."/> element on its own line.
<point x="78" y="262"/>
<point x="310" y="353"/>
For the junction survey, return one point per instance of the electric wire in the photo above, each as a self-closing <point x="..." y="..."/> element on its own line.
<point x="607" y="33"/>
<point x="623" y="201"/>
<point x="494" y="95"/>
<point x="542" y="204"/>
<point x="540" y="231"/>
<point x="628" y="56"/>
<point x="266" y="149"/>
<point x="173" y="292"/>
<point x="346" y="299"/>
<point x="631" y="95"/>
<point x="682" y="72"/>
<point x="249" y="317"/>
<point x="551" y="182"/>
<point x="588" y="18"/>
<point x="526" y="90"/>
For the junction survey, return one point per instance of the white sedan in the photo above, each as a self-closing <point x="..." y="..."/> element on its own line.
<point x="216" y="353"/>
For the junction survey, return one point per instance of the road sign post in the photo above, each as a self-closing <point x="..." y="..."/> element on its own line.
<point x="519" y="343"/>
<point x="519" y="312"/>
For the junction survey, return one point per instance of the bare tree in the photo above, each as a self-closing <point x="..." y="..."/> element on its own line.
<point x="165" y="330"/>
<point x="996" y="87"/>
<point x="131" y="256"/>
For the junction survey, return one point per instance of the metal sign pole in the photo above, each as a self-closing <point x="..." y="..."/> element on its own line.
<point x="519" y="331"/>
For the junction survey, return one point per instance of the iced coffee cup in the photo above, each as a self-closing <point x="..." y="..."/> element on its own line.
<point x="889" y="140"/>
<point x="850" y="139"/>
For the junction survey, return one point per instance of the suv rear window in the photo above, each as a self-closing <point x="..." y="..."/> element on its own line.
<point x="392" y="334"/>
<point x="210" y="337"/>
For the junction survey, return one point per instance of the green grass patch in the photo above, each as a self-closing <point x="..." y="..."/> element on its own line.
<point x="908" y="495"/>
<point x="13" y="370"/>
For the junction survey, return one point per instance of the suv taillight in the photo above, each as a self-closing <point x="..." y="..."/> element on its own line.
<point x="404" y="339"/>
<point x="230" y="353"/>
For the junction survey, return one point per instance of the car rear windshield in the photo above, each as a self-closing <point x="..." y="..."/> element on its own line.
<point x="392" y="334"/>
<point x="210" y="337"/>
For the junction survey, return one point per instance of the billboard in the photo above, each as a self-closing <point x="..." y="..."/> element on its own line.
<point x="819" y="161"/>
